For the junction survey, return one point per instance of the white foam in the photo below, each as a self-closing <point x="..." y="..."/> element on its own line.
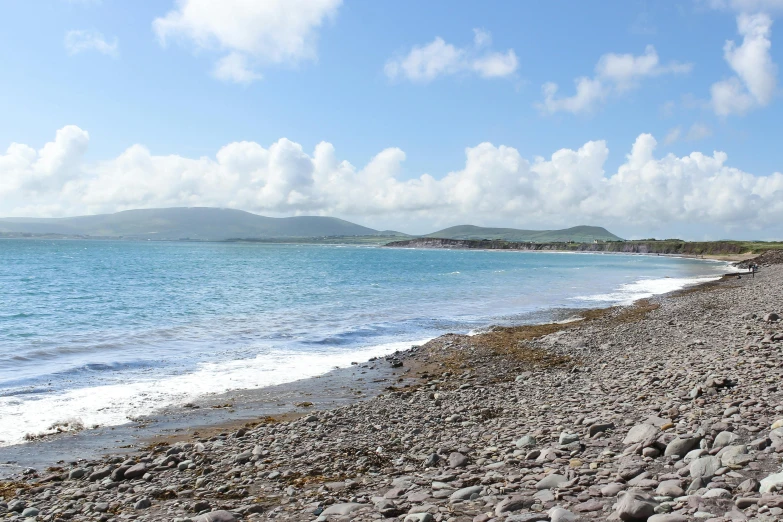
<point x="644" y="288"/>
<point x="112" y="405"/>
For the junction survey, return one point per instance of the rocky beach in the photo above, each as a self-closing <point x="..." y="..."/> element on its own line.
<point x="668" y="410"/>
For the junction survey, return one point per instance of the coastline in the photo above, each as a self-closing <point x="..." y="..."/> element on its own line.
<point x="548" y="358"/>
<point x="215" y="413"/>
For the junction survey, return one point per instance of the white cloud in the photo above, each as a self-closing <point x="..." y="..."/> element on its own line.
<point x="80" y="41"/>
<point x="250" y="33"/>
<point x="496" y="184"/>
<point x="614" y="74"/>
<point x="755" y="82"/>
<point x="233" y="68"/>
<point x="438" y="58"/>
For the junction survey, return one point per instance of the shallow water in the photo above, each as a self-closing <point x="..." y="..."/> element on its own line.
<point x="101" y="332"/>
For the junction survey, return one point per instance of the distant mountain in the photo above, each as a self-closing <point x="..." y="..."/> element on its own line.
<point x="580" y="234"/>
<point x="201" y="223"/>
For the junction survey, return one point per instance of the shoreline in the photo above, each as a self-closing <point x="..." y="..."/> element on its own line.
<point x="517" y="421"/>
<point x="213" y="413"/>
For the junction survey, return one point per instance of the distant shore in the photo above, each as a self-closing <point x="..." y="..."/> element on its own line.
<point x="723" y="250"/>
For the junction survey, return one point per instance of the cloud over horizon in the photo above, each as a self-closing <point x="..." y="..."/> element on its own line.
<point x="755" y="81"/>
<point x="496" y="183"/>
<point x="79" y="41"/>
<point x="614" y="74"/>
<point x="438" y="58"/>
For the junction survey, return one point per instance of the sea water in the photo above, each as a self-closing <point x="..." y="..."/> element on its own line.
<point x="103" y="332"/>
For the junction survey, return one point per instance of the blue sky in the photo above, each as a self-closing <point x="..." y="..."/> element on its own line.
<point x="348" y="73"/>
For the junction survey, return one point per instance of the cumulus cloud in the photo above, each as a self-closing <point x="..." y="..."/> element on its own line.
<point x="614" y="74"/>
<point x="250" y="34"/>
<point x="495" y="184"/>
<point x="756" y="75"/>
<point x="77" y="41"/>
<point x="438" y="58"/>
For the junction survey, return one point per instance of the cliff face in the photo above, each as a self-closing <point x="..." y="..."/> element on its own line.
<point x="631" y="247"/>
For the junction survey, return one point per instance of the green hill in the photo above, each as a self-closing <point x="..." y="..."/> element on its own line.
<point x="580" y="234"/>
<point x="199" y="223"/>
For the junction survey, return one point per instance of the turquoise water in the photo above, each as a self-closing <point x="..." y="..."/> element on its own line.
<point x="98" y="332"/>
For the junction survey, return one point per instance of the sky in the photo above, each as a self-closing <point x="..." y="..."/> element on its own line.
<point x="653" y="119"/>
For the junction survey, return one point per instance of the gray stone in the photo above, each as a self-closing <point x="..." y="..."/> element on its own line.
<point x="528" y="517"/>
<point x="558" y="514"/>
<point x="77" y="473"/>
<point x="100" y="474"/>
<point x="17" y="506"/>
<point x="216" y="516"/>
<point x="526" y="441"/>
<point x="644" y="434"/>
<point x="672" y="517"/>
<point x="716" y="493"/>
<point x="243" y="457"/>
<point x="680" y="446"/>
<point x="724" y="438"/>
<point x="551" y="481"/>
<point x="612" y="489"/>
<point x="629" y="468"/>
<point x="30" y="512"/>
<point x="599" y="427"/>
<point x="749" y="486"/>
<point x="745" y="502"/>
<point x="705" y="467"/>
<point x="568" y="438"/>
<point x="772" y="501"/>
<point x="457" y="460"/>
<point x="774" y="481"/>
<point x="670" y="488"/>
<point x="735" y="456"/>
<point x="142" y="503"/>
<point x="419" y="517"/>
<point x="432" y="460"/>
<point x="343" y="509"/>
<point x="635" y="506"/>
<point x="136" y="471"/>
<point x="466" y="493"/>
<point x="513" y="504"/>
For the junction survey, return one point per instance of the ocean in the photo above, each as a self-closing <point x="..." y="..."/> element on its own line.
<point x="99" y="333"/>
